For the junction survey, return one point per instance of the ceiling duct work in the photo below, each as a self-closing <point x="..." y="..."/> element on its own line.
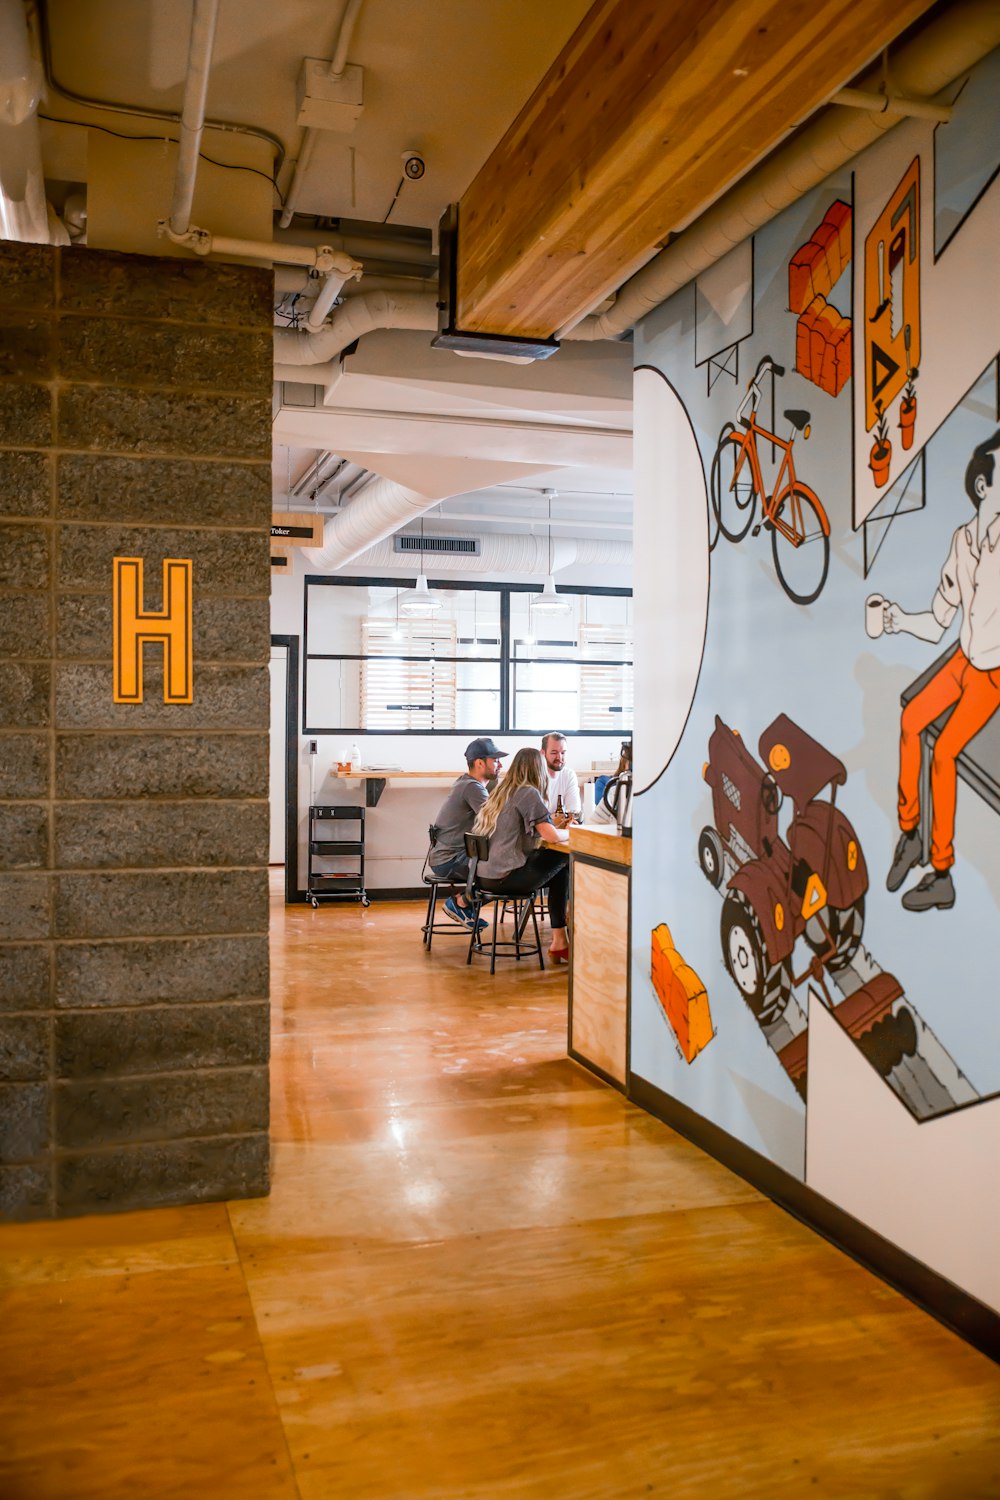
<point x="941" y="54"/>
<point x="498" y="555"/>
<point x="352" y="320"/>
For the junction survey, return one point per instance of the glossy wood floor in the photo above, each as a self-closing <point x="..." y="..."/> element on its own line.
<point x="480" y="1274"/>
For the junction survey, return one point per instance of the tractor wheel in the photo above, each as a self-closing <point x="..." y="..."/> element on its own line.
<point x="765" y="986"/>
<point x="710" y="856"/>
<point x="846" y="925"/>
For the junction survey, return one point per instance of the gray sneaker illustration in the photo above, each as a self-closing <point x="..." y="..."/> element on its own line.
<point x="936" y="889"/>
<point x="908" y="854"/>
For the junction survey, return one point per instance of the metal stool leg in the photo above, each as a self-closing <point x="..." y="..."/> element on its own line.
<point x="431" y="912"/>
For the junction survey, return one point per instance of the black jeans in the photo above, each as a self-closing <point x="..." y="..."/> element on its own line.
<point x="542" y="867"/>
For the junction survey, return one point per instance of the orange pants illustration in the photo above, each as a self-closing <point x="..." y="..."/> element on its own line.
<point x="976" y="696"/>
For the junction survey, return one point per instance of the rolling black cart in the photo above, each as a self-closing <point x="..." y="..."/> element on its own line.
<point x="326" y="845"/>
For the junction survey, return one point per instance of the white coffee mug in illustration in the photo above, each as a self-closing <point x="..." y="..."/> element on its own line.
<point x="875" y="615"/>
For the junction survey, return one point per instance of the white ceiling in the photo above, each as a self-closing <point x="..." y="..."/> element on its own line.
<point x="444" y="78"/>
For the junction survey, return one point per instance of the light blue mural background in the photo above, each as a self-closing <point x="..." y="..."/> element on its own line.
<point x="765" y="655"/>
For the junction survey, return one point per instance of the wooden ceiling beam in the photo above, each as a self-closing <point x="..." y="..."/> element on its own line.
<point x="653" y="108"/>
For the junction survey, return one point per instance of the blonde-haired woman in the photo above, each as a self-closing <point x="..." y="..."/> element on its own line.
<point x="513" y="818"/>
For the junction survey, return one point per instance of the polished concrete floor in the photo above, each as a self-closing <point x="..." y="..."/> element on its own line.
<point x="480" y="1274"/>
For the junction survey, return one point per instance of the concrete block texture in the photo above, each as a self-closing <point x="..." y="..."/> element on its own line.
<point x="156" y="1176"/>
<point x="27" y="275"/>
<point x="24" y="836"/>
<point x="162" y="1039"/>
<point x="27" y="345"/>
<point x="160" y="972"/>
<point x="24" y="1048"/>
<point x="25" y="415"/>
<point x="24" y="557"/>
<point x="25" y="976"/>
<point x="190" y="357"/>
<point x="170" y="904"/>
<point x="24" y="694"/>
<point x="24" y="765"/>
<point x="223" y="698"/>
<point x="26" y="483"/>
<point x="25" y="1193"/>
<point x="176" y="491"/>
<point x="107" y="1112"/>
<point x="24" y="907"/>
<point x="222" y="629"/>
<point x="123" y="419"/>
<point x="148" y="286"/>
<point x="229" y="562"/>
<point x="161" y="765"/>
<point x="24" y="1121"/>
<point x="123" y="835"/>
<point x="24" y="625"/>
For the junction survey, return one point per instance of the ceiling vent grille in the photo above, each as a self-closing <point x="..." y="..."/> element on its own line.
<point x="468" y="545"/>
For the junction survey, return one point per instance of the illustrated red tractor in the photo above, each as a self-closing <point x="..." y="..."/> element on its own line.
<point x="810" y="884"/>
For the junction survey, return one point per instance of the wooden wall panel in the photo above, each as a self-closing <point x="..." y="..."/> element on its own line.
<point x="648" y="114"/>
<point x="600" y="967"/>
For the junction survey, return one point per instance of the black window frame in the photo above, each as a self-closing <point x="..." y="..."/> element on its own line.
<point x="507" y="661"/>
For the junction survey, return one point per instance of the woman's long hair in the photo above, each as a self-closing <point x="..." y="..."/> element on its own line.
<point x="526" y="769"/>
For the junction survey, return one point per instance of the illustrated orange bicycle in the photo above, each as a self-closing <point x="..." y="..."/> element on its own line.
<point x="792" y="512"/>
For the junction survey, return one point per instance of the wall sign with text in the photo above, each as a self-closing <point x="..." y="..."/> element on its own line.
<point x="169" y="627"/>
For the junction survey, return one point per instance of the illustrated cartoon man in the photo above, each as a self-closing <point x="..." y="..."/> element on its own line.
<point x="969" y="680"/>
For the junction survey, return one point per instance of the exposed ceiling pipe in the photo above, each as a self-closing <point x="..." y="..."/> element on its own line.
<point x="203" y="22"/>
<point x="872" y="100"/>
<point x="354" y="318"/>
<point x="337" y="65"/>
<point x="498" y="554"/>
<point x="381" y="509"/>
<point x="24" y="213"/>
<point x="945" y="50"/>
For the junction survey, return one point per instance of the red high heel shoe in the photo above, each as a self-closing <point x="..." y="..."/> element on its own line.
<point x="559" y="955"/>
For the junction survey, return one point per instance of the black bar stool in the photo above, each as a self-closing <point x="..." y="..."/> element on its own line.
<point x="432" y="922"/>
<point x="477" y="846"/>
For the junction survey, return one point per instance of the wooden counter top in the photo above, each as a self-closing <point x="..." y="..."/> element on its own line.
<point x="601" y="842"/>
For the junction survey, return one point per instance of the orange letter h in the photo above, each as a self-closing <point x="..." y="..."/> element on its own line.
<point x="171" y="626"/>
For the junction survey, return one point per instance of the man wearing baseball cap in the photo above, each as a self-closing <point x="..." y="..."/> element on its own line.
<point x="446" y="857"/>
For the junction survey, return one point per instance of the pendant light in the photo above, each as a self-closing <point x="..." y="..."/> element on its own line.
<point x="548" y="601"/>
<point x="420" y="602"/>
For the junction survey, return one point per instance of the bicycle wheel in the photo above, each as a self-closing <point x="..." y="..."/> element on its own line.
<point x="800" y="542"/>
<point x="733" y="492"/>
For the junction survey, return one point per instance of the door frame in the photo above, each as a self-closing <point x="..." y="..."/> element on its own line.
<point x="291" y="642"/>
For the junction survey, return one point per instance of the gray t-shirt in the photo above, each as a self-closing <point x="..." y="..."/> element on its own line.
<point x="513" y="839"/>
<point x="455" y="819"/>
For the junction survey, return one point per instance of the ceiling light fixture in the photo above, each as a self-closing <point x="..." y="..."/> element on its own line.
<point x="420" y="602"/>
<point x="548" y="601"/>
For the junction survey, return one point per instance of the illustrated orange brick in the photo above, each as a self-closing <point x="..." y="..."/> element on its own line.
<point x="801" y="290"/>
<point x="681" y="993"/>
<point x="825" y="319"/>
<point x="839" y="215"/>
<point x="837" y="358"/>
<point x="828" y="238"/>
<point x="803" y="340"/>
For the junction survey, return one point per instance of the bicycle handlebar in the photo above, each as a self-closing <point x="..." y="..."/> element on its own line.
<point x="768" y="362"/>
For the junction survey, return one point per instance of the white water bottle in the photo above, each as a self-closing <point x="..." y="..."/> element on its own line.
<point x="588" y="801"/>
<point x="355" y="757"/>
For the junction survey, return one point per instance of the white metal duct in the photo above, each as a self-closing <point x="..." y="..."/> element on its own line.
<point x="498" y="555"/>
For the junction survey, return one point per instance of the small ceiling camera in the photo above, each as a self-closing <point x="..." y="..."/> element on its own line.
<point x="414" y="165"/>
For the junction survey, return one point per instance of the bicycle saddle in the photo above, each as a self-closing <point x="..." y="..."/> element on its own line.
<point x="798" y="419"/>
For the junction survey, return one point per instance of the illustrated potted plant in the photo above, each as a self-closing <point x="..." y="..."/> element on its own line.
<point x="881" y="454"/>
<point x="908" y="410"/>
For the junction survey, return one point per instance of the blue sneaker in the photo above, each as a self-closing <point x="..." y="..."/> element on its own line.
<point x="462" y="914"/>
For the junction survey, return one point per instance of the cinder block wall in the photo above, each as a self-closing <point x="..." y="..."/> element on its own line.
<point x="135" y="405"/>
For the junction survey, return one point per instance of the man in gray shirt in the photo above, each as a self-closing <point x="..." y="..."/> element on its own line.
<point x="446" y="857"/>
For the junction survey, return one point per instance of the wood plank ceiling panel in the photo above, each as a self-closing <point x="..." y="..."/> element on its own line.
<point x="651" y="110"/>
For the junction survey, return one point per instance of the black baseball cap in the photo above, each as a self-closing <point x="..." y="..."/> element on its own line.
<point x="482" y="750"/>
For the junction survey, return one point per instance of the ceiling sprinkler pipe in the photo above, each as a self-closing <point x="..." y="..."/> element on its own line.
<point x="352" y="320"/>
<point x="203" y="23"/>
<point x="345" y="269"/>
<point x="23" y="210"/>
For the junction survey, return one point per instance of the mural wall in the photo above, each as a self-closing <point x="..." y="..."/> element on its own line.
<point x="817" y="839"/>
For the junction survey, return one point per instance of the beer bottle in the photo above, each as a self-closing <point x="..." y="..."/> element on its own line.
<point x="560" y="810"/>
